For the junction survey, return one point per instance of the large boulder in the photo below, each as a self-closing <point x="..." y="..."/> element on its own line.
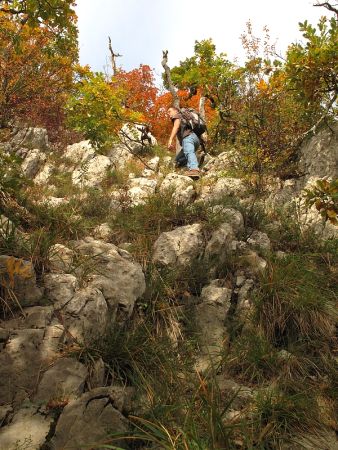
<point x="79" y="153"/>
<point x="30" y="138"/>
<point x="219" y="245"/>
<point x="179" y="247"/>
<point x="86" y="314"/>
<point x="27" y="430"/>
<point x="92" y="172"/>
<point x="60" y="288"/>
<point x="63" y="381"/>
<point x="180" y="187"/>
<point x="115" y="273"/>
<point x="223" y="187"/>
<point x="33" y="162"/>
<point x="91" y="418"/>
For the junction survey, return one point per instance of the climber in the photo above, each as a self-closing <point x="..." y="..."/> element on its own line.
<point x="188" y="140"/>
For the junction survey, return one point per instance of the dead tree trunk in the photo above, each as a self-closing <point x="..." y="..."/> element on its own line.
<point x="176" y="100"/>
<point x="113" y="57"/>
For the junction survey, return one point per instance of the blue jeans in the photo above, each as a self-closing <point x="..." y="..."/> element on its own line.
<point x="190" y="144"/>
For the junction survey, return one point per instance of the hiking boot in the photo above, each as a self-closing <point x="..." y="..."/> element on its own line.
<point x="193" y="173"/>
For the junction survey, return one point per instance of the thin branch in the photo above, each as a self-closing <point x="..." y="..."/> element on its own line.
<point x="130" y="150"/>
<point x="328" y="6"/>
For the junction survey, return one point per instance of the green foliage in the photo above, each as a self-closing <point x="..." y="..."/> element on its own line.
<point x="252" y="359"/>
<point x="11" y="179"/>
<point x="96" y="107"/>
<point x="278" y="414"/>
<point x="324" y="196"/>
<point x="311" y="68"/>
<point x="296" y="301"/>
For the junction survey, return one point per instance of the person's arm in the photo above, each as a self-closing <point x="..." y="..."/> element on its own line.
<point x="174" y="131"/>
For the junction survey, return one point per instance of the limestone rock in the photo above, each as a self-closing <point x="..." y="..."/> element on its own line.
<point x="32" y="163"/>
<point x="153" y="163"/>
<point x="80" y="153"/>
<point x="31" y="138"/>
<point x="60" y="258"/>
<point x="116" y="274"/>
<point x="92" y="172"/>
<point x="180" y="187"/>
<point x="37" y="317"/>
<point x="19" y="275"/>
<point x="91" y="418"/>
<point x="44" y="174"/>
<point x="86" y="314"/>
<point x="119" y="156"/>
<point x="20" y="365"/>
<point x="223" y="187"/>
<point x="28" y="430"/>
<point x="7" y="227"/>
<point x="54" y="202"/>
<point x="102" y="232"/>
<point x="59" y="288"/>
<point x="259" y="240"/>
<point x="178" y="248"/>
<point x="65" y="380"/>
<point x="210" y="317"/>
<point x="140" y="190"/>
<point x="229" y="215"/>
<point x="219" y="245"/>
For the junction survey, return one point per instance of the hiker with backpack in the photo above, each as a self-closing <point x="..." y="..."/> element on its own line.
<point x="188" y="126"/>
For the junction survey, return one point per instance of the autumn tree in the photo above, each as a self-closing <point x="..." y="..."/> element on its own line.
<point x="38" y="48"/>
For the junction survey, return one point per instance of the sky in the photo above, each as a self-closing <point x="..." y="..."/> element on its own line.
<point x="141" y="29"/>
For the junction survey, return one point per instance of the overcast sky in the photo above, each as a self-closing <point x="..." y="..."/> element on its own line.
<point x="141" y="29"/>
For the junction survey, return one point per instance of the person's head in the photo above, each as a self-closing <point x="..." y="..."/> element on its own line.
<point x="172" y="111"/>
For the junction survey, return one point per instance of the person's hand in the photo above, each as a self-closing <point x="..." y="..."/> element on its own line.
<point x="171" y="146"/>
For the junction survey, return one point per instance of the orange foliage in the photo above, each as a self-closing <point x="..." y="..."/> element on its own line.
<point x="35" y="74"/>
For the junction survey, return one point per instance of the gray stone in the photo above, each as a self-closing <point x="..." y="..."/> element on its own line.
<point x="60" y="288"/>
<point x="37" y="317"/>
<point x="115" y="273"/>
<point x="28" y="430"/>
<point x="259" y="240"/>
<point x="30" y="138"/>
<point x="86" y="314"/>
<point x="180" y="247"/>
<point x="7" y="228"/>
<point x="60" y="258"/>
<point x="65" y="380"/>
<point x="32" y="163"/>
<point x="223" y="187"/>
<point x="44" y="174"/>
<point x="180" y="187"/>
<point x="229" y="215"/>
<point x="210" y="317"/>
<point x="92" y="172"/>
<point x="91" y="418"/>
<point x="79" y="153"/>
<point x="103" y="232"/>
<point x="219" y="245"/>
<point x="153" y="163"/>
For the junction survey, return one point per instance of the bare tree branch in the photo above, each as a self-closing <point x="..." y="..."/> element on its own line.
<point x="113" y="56"/>
<point x="176" y="100"/>
<point x="328" y="6"/>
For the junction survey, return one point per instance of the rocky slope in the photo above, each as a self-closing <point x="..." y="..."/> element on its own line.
<point x="49" y="397"/>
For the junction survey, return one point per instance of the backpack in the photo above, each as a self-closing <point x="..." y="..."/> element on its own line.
<point x="194" y="121"/>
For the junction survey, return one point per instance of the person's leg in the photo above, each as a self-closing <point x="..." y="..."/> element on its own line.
<point x="181" y="159"/>
<point x="189" y="146"/>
